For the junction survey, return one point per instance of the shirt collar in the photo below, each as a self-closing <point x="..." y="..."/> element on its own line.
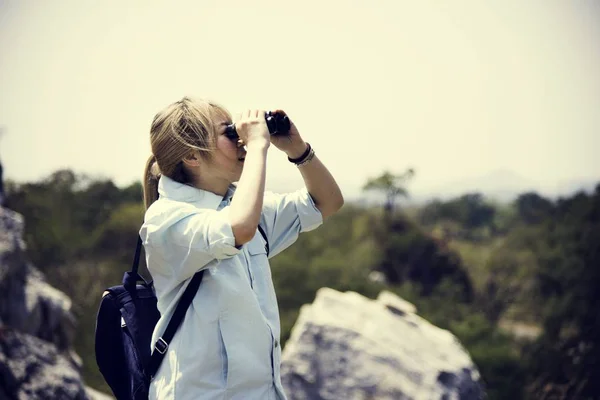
<point x="174" y="190"/>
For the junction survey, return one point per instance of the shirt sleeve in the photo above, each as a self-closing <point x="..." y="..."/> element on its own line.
<point x="286" y="216"/>
<point x="208" y="231"/>
<point x="188" y="242"/>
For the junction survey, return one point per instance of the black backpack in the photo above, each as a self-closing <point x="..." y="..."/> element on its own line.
<point x="124" y="326"/>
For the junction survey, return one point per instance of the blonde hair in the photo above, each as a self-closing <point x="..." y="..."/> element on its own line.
<point x="182" y="127"/>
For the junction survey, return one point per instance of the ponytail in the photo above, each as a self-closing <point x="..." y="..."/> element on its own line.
<point x="150" y="182"/>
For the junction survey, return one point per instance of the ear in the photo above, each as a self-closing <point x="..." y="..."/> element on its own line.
<point x="192" y="159"/>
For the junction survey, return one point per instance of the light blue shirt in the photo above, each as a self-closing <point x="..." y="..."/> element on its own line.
<point x="228" y="344"/>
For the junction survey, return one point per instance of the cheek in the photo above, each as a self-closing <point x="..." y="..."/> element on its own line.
<point x="226" y="146"/>
<point x="226" y="155"/>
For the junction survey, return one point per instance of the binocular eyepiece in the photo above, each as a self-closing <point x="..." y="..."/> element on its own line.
<point x="278" y="124"/>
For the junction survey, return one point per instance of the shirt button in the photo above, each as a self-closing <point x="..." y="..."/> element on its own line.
<point x="276" y="344"/>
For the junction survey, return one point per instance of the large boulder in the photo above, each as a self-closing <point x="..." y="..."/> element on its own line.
<point x="36" y="327"/>
<point x="28" y="303"/>
<point x="346" y="346"/>
<point x="33" y="368"/>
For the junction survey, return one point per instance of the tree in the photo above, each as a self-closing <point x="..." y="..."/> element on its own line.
<point x="533" y="208"/>
<point x="470" y="211"/>
<point x="64" y="212"/>
<point x="393" y="186"/>
<point x="564" y="362"/>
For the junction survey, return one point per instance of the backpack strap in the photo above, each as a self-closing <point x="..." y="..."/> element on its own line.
<point x="131" y="278"/>
<point x="264" y="235"/>
<point x="162" y="344"/>
<point x="136" y="258"/>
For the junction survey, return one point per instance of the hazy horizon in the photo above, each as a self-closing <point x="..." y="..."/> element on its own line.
<point x="457" y="92"/>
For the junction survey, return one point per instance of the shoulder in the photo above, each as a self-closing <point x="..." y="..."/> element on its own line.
<point x="165" y="214"/>
<point x="164" y="210"/>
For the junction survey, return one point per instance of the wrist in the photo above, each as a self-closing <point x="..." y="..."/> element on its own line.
<point x="297" y="150"/>
<point x="258" y="143"/>
<point x="305" y="158"/>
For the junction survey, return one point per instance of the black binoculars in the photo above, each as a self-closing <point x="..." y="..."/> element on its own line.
<point x="278" y="124"/>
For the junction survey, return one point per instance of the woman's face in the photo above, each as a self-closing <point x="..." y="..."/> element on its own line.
<point x="227" y="161"/>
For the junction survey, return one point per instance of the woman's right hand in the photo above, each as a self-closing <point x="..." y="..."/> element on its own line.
<point x="251" y="127"/>
<point x="246" y="205"/>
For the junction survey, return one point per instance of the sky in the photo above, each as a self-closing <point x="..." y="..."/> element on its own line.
<point x="469" y="93"/>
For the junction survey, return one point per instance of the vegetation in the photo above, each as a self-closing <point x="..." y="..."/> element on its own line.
<point x="516" y="283"/>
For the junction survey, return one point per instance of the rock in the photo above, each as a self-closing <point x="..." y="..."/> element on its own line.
<point x="49" y="310"/>
<point x="32" y="368"/>
<point x="396" y="304"/>
<point x="37" y="327"/>
<point x="28" y="303"/>
<point x="345" y="346"/>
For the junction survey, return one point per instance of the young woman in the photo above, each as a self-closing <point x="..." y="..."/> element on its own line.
<point x="228" y="344"/>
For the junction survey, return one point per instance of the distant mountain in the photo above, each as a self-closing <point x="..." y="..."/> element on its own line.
<point x="500" y="185"/>
<point x="566" y="188"/>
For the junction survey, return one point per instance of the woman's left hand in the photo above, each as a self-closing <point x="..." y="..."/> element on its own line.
<point x="292" y="144"/>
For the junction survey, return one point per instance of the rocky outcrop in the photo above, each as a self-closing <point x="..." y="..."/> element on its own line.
<point x="345" y="346"/>
<point x="36" y="326"/>
<point x="31" y="368"/>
